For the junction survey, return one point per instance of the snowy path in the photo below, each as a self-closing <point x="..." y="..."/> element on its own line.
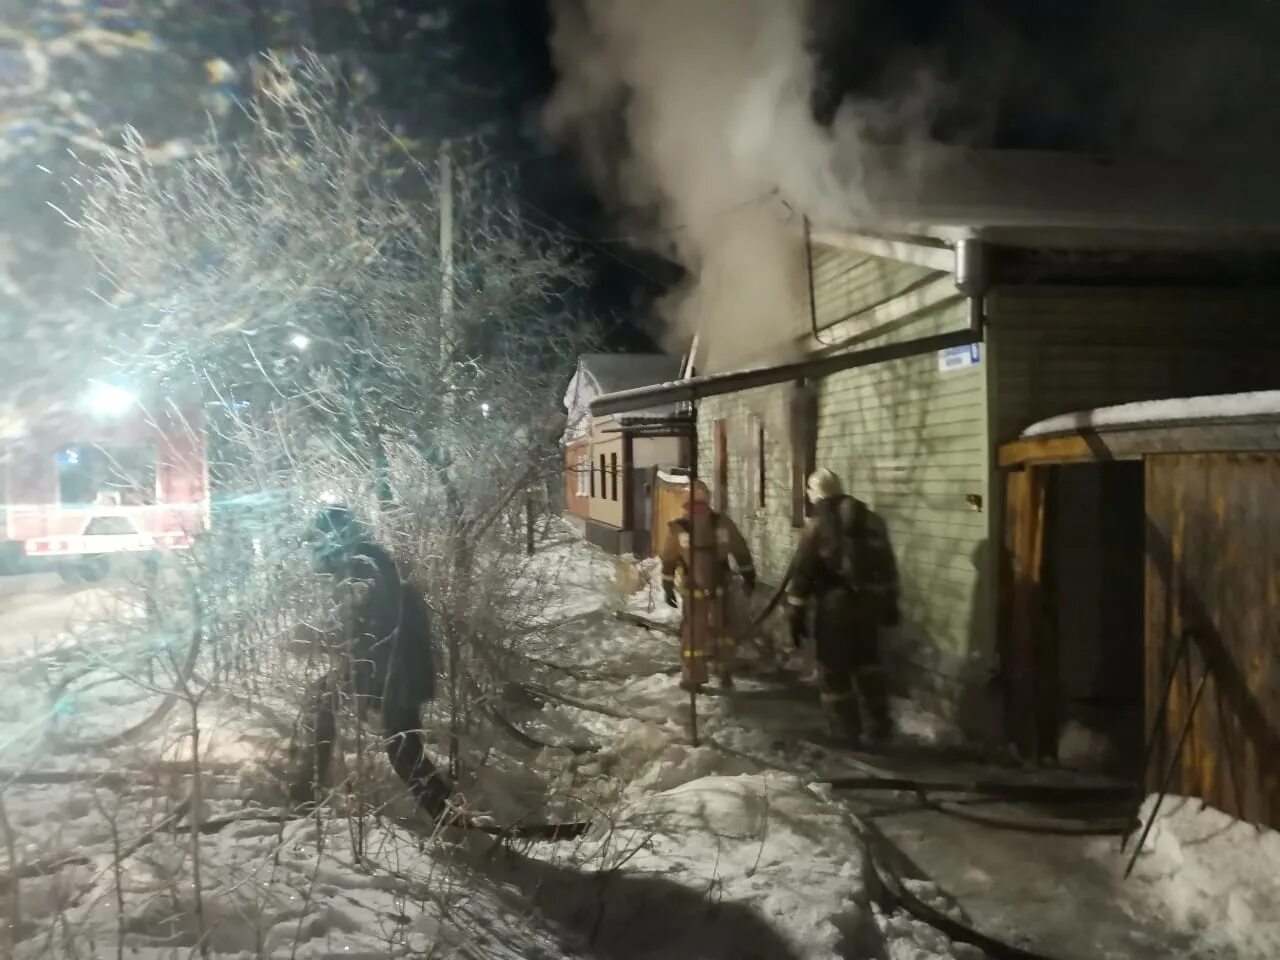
<point x="724" y="851"/>
<point x="1060" y="895"/>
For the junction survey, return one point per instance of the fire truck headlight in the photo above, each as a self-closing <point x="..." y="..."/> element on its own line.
<point x="107" y="399"/>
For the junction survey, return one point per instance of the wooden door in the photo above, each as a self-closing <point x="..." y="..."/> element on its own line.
<point x="1213" y="578"/>
<point x="668" y="505"/>
<point x="1028" y="651"/>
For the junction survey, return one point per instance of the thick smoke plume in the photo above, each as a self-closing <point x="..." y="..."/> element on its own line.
<point x="695" y="119"/>
<point x="714" y="126"/>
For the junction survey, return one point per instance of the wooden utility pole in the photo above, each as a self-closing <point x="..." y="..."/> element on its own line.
<point x="446" y="268"/>
<point x="443" y="440"/>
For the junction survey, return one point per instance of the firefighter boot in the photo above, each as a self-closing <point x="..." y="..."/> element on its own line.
<point x="873" y="686"/>
<point x="725" y="679"/>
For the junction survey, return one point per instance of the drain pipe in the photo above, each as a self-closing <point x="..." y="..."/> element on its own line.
<point x="973" y="279"/>
<point x="813" y="301"/>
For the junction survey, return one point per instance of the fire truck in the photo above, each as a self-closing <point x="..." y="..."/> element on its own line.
<point x="84" y="487"/>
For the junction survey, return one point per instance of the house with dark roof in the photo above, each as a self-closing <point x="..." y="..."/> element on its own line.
<point x="612" y="461"/>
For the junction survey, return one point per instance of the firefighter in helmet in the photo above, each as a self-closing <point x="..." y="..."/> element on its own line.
<point x="845" y="577"/>
<point x="699" y="546"/>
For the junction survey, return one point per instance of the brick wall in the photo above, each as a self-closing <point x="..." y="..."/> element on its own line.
<point x="767" y="527"/>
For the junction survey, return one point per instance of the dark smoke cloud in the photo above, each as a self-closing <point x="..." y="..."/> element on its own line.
<point x="712" y="126"/>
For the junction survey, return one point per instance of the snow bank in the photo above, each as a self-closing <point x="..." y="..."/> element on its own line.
<point x="1215" y="875"/>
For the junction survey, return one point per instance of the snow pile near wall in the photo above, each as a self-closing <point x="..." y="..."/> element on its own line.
<point x="1215" y="875"/>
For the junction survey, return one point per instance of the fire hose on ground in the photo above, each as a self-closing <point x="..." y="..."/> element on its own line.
<point x="894" y="892"/>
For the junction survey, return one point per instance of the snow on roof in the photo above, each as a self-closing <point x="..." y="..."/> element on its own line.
<point x="623" y="371"/>
<point x="602" y="373"/>
<point x="1218" y="192"/>
<point x="1180" y="410"/>
<point x="664" y="412"/>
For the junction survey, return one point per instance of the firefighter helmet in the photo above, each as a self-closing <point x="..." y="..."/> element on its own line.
<point x="824" y="485"/>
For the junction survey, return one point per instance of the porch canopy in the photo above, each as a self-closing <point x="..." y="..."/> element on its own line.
<point x="1220" y="423"/>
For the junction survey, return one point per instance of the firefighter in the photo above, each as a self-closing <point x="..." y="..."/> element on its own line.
<point x="699" y="545"/>
<point x="844" y="575"/>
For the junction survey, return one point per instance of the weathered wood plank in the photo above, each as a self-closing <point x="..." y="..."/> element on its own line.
<point x="1213" y="552"/>
<point x="1032" y="716"/>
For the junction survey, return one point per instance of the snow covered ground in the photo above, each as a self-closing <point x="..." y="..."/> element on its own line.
<point x="1214" y="876"/>
<point x="725" y="849"/>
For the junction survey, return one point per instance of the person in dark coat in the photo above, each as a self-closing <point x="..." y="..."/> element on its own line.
<point x="845" y="578"/>
<point x="387" y="661"/>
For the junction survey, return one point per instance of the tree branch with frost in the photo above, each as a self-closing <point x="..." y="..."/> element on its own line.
<point x="319" y="224"/>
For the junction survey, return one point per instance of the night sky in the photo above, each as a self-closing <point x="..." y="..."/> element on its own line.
<point x="1099" y="76"/>
<point x="1095" y="76"/>
<point x="491" y="72"/>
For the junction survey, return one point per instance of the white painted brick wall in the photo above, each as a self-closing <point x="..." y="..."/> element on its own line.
<point x="768" y="529"/>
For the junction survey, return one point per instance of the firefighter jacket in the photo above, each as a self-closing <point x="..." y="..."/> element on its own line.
<point x="845" y="549"/>
<point x="699" y="547"/>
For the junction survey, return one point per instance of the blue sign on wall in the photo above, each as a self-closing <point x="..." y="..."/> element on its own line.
<point x="958" y="358"/>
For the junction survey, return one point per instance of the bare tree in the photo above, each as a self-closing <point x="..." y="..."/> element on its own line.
<point x="347" y="342"/>
<point x="365" y="320"/>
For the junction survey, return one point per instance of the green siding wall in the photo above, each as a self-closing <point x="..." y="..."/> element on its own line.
<point x="916" y="442"/>
<point x="911" y="441"/>
<point x="847" y="283"/>
<point x="1056" y="350"/>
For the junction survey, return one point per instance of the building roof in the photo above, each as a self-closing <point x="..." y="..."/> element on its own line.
<point x="1041" y="198"/>
<point x="611" y="372"/>
<point x="602" y="373"/>
<point x="1179" y="411"/>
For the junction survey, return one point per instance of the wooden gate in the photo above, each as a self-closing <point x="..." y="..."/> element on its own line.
<point x="640" y="495"/>
<point x="1028" y="650"/>
<point x="1213" y="581"/>
<point x="668" y="505"/>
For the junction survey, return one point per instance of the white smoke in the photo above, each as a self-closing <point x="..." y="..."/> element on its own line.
<point x="694" y="117"/>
